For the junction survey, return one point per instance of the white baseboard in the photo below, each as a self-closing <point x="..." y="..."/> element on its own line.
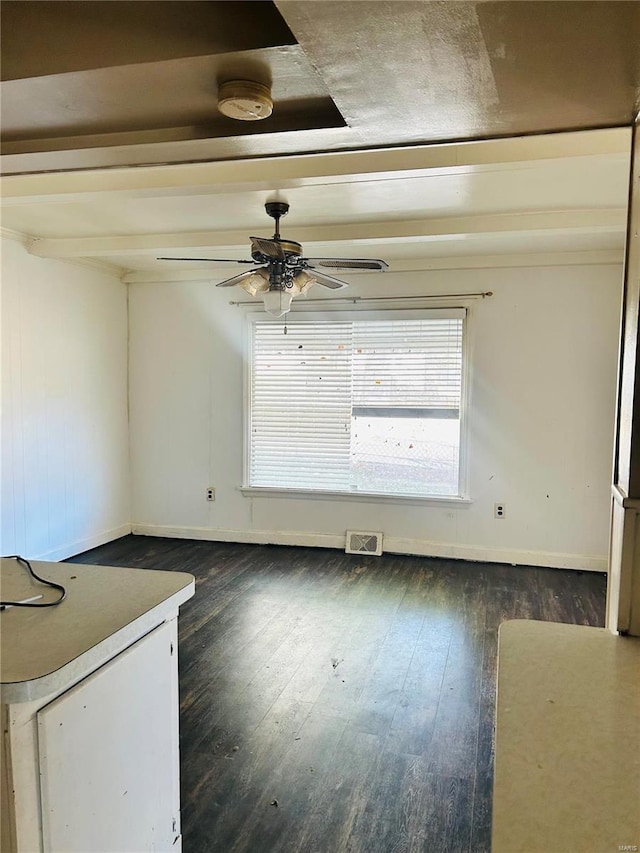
<point x="391" y="544"/>
<point x="80" y="545"/>
<point x="520" y="557"/>
<point x="250" y="537"/>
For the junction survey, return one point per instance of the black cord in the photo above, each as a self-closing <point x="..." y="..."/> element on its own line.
<point x="53" y="584"/>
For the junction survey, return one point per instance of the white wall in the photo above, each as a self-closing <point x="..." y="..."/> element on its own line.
<point x="544" y="352"/>
<point x="65" y="478"/>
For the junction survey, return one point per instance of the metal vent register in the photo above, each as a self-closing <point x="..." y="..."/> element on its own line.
<point x="360" y="542"/>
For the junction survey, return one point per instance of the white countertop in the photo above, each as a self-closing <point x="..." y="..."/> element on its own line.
<point x="106" y="609"/>
<point x="567" y="768"/>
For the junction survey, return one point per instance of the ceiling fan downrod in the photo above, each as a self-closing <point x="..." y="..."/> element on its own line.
<point x="276" y="210"/>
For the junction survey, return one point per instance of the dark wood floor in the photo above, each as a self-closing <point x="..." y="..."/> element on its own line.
<point x="332" y="702"/>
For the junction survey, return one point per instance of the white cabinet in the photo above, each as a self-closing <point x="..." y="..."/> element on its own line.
<point x="89" y="708"/>
<point x="112" y="741"/>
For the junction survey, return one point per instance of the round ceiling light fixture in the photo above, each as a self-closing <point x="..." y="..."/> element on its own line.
<point x="245" y="100"/>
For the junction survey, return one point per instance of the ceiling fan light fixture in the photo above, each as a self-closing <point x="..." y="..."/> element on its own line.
<point x="302" y="283"/>
<point x="245" y="100"/>
<point x="277" y="302"/>
<point x="256" y="283"/>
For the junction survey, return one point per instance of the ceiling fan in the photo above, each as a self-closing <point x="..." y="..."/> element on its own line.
<point x="285" y="273"/>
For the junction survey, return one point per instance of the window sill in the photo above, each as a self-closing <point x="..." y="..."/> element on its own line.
<point x="372" y="497"/>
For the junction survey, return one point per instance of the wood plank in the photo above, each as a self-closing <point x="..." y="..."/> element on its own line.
<point x="413" y="724"/>
<point x="410" y="809"/>
<point x="342" y="799"/>
<point x="234" y="798"/>
<point x="297" y="782"/>
<point x="376" y="706"/>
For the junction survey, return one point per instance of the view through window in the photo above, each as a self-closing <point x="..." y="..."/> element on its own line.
<point x="361" y="405"/>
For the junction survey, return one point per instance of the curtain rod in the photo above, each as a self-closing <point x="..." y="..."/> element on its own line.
<point x="355" y="299"/>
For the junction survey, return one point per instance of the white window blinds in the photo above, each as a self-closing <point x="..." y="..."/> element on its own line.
<point x="315" y="392"/>
<point x="301" y="405"/>
<point x="407" y="363"/>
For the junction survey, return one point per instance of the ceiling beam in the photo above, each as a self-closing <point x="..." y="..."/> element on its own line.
<point x="574" y="221"/>
<point x="281" y="173"/>
<point x="41" y="38"/>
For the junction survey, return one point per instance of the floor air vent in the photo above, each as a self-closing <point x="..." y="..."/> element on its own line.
<point x="359" y="542"/>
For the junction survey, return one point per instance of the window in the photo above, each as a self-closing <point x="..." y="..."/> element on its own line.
<point x="362" y="404"/>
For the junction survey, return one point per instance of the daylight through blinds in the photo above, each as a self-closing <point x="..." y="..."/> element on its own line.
<point x="357" y="405"/>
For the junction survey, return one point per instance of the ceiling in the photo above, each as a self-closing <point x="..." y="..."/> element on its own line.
<point x="372" y="138"/>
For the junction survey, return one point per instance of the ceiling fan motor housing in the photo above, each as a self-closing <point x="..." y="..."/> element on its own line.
<point x="288" y="251"/>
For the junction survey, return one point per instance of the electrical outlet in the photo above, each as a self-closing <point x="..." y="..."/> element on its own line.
<point x="499" y="510"/>
<point x="211" y="494"/>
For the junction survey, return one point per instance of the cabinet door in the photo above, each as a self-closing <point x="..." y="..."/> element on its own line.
<point x="108" y="753"/>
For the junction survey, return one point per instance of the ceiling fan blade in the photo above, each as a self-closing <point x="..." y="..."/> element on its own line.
<point x="210" y="260"/>
<point x="237" y="279"/>
<point x="268" y="248"/>
<point x="328" y="280"/>
<point x="348" y="263"/>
